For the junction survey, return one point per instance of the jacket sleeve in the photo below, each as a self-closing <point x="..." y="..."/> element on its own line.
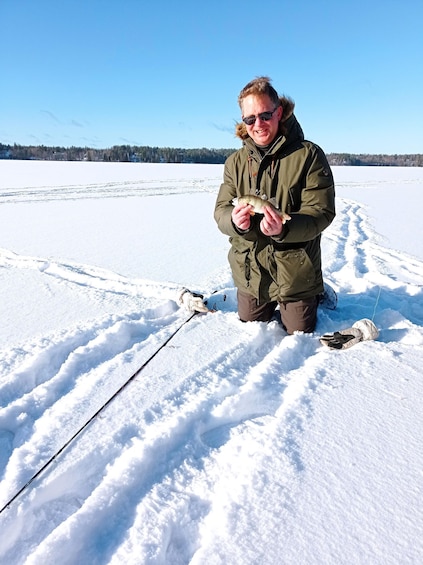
<point x="317" y="206"/>
<point x="223" y="208"/>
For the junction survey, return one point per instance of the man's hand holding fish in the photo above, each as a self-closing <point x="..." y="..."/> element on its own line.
<point x="272" y="223"/>
<point x="249" y="205"/>
<point x="241" y="216"/>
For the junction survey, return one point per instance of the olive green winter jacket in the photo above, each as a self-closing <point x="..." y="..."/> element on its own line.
<point x="295" y="176"/>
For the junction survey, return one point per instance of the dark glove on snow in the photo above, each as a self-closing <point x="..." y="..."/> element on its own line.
<point x="362" y="330"/>
<point x="342" y="339"/>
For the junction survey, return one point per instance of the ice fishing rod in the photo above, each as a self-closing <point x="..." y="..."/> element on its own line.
<point x="94" y="416"/>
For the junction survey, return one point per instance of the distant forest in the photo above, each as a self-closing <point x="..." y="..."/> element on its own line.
<point x="145" y="154"/>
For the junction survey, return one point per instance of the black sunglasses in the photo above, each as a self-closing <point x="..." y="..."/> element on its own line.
<point x="265" y="116"/>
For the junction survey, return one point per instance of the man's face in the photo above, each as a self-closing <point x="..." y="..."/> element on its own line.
<point x="262" y="132"/>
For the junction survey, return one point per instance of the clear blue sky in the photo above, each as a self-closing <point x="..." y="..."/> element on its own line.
<point x="168" y="73"/>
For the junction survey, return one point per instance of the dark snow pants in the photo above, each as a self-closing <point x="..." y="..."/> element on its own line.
<point x="296" y="316"/>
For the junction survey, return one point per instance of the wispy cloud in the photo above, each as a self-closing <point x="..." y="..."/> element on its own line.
<point x="51" y="115"/>
<point x="184" y="126"/>
<point x="54" y="118"/>
<point x="130" y="141"/>
<point x="225" y="129"/>
<point x="94" y="142"/>
<point x="35" y="138"/>
<point x="5" y="137"/>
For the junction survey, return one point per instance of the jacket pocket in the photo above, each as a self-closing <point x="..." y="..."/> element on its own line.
<point x="293" y="272"/>
<point x="240" y="263"/>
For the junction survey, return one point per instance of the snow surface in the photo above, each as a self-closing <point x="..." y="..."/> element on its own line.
<point x="235" y="444"/>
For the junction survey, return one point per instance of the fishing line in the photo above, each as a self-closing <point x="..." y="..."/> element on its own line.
<point x="377" y="302"/>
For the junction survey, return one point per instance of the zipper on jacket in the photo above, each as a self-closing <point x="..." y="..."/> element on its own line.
<point x="250" y="172"/>
<point x="291" y="198"/>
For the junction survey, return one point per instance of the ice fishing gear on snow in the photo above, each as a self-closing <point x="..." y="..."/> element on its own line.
<point x="191" y="301"/>
<point x="96" y="414"/>
<point x="363" y="330"/>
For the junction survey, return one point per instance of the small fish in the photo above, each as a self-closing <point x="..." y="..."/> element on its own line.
<point x="258" y="204"/>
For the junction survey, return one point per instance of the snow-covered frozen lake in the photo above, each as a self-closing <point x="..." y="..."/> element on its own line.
<point x="235" y="443"/>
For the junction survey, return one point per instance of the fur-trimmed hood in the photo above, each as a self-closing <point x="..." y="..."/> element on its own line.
<point x="285" y="125"/>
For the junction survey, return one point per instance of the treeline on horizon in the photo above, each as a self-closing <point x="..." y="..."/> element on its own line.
<point x="146" y="154"/>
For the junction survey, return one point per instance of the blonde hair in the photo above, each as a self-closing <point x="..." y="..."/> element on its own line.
<point x="260" y="86"/>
